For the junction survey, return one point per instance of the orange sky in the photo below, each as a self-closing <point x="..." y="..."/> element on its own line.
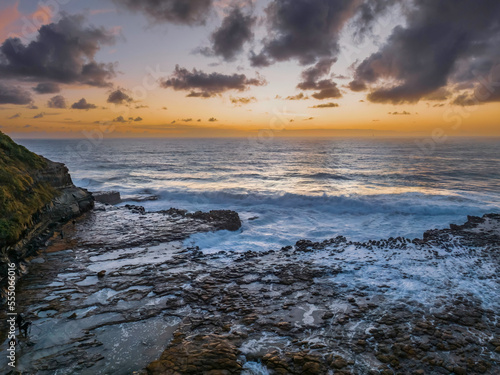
<point x="158" y="111"/>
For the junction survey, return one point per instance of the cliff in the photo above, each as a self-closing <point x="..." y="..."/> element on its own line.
<point x="36" y="195"/>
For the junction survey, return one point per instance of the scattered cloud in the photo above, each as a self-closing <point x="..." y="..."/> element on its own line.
<point x="141" y="106"/>
<point x="61" y="52"/>
<point x="138" y="119"/>
<point x="17" y="115"/>
<point x="187" y="12"/>
<point x="120" y="119"/>
<point x="236" y="30"/>
<point x="82" y="104"/>
<point x="212" y="119"/>
<point x="186" y="120"/>
<point x="315" y="78"/>
<point x="57" y="101"/>
<point x="357" y="86"/>
<point x="119" y="97"/>
<point x="243" y="100"/>
<point x="14" y="95"/>
<point x="405" y="113"/>
<point x="327" y="105"/>
<point x="299" y="96"/>
<point x="47" y="88"/>
<point x="206" y="85"/>
<point x="327" y="89"/>
<point x="40" y="115"/>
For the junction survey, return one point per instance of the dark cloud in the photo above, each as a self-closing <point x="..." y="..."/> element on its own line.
<point x="300" y="96"/>
<point x="438" y="95"/>
<point x="464" y="100"/>
<point x="194" y="94"/>
<point x="259" y="60"/>
<point x="405" y="113"/>
<point x="17" y="115"/>
<point x="40" y="115"/>
<point x="327" y="89"/>
<point x="327" y="105"/>
<point x="443" y="43"/>
<point x="357" y="86"/>
<point x="212" y="119"/>
<point x="187" y="120"/>
<point x="120" y="119"/>
<point x="368" y="13"/>
<point x="243" y="100"/>
<point x="57" y="101"/>
<point x="187" y="12"/>
<point x="205" y="85"/>
<point x="486" y="92"/>
<point x="311" y="80"/>
<point x="14" y="95"/>
<point x="82" y="104"/>
<point x="119" y="97"/>
<point x="138" y="119"/>
<point x="47" y="88"/>
<point x="469" y="99"/>
<point x="62" y="52"/>
<point x="304" y="30"/>
<point x="141" y="106"/>
<point x="312" y="75"/>
<point x="236" y="30"/>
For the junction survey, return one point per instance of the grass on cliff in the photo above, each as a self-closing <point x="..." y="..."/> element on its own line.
<point x="20" y="196"/>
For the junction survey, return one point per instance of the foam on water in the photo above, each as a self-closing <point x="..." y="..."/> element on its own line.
<point x="254" y="368"/>
<point x="294" y="189"/>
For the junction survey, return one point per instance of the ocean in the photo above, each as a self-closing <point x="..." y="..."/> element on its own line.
<point x="289" y="189"/>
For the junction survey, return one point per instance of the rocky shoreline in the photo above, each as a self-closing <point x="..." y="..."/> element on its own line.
<point x="37" y="197"/>
<point x="121" y="293"/>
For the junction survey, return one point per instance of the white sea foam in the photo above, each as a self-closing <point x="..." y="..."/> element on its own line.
<point x="296" y="188"/>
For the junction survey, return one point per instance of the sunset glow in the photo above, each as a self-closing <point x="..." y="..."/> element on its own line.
<point x="169" y="71"/>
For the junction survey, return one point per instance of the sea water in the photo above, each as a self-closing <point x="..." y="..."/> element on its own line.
<point x="290" y="189"/>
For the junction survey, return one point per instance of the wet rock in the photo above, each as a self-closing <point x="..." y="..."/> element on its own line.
<point x="211" y="354"/>
<point x="327" y="315"/>
<point x="107" y="197"/>
<point x="267" y="306"/>
<point x="221" y="219"/>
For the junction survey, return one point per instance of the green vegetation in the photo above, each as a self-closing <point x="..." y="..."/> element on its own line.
<point x="20" y="196"/>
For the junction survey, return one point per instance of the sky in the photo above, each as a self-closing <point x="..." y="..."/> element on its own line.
<point x="214" y="68"/>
